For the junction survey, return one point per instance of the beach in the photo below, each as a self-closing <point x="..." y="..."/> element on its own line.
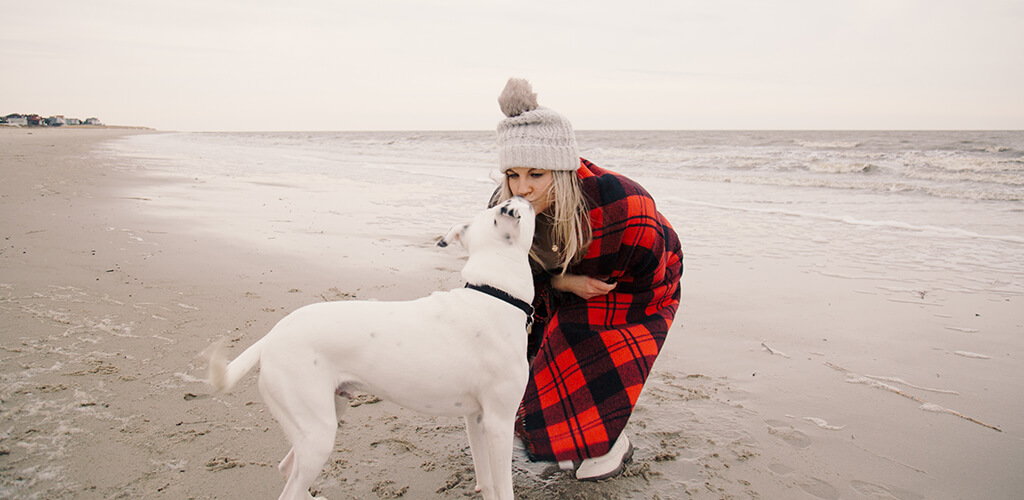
<point x="819" y="351"/>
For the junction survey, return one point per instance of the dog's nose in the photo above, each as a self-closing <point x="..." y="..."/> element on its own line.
<point x="526" y="203"/>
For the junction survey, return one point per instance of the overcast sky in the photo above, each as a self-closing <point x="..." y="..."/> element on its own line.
<point x="439" y="65"/>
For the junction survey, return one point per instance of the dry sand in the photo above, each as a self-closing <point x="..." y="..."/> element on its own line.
<point x="775" y="382"/>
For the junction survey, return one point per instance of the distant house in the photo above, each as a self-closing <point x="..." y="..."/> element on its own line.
<point x="33" y="120"/>
<point x="16" y="119"/>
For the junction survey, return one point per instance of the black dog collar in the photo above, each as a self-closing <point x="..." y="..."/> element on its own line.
<point x="508" y="298"/>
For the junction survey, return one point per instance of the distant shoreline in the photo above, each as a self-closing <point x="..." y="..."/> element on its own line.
<point x="75" y="127"/>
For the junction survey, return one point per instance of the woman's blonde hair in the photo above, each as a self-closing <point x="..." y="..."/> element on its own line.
<point x="569" y="216"/>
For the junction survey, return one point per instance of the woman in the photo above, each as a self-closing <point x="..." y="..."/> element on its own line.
<point x="606" y="272"/>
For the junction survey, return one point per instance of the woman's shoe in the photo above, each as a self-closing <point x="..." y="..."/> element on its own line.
<point x="610" y="465"/>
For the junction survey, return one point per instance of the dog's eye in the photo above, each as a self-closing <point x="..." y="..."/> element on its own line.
<point x="510" y="212"/>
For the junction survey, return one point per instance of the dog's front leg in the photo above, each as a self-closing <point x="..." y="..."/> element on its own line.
<point x="481" y="455"/>
<point x="499" y="435"/>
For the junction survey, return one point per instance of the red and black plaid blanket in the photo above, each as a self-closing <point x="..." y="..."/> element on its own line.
<point x="593" y="356"/>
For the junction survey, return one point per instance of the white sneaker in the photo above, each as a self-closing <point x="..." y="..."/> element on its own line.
<point x="610" y="465"/>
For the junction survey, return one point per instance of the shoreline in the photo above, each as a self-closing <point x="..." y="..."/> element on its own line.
<point x="771" y="383"/>
<point x="5" y="126"/>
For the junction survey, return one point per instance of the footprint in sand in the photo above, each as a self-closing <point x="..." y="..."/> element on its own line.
<point x="781" y="469"/>
<point x="220" y="463"/>
<point x="788" y="434"/>
<point x="819" y="488"/>
<point x="878" y="491"/>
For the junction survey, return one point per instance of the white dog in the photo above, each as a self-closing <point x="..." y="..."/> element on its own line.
<point x="459" y="353"/>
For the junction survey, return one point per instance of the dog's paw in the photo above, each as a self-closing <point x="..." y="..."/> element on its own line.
<point x="456" y="233"/>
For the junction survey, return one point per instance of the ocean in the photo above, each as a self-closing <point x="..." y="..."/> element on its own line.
<point x="946" y="207"/>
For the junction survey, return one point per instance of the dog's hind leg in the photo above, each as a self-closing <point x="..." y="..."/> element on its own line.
<point x="481" y="460"/>
<point x="342" y="400"/>
<point x="312" y="438"/>
<point x="305" y="410"/>
<point x="285" y="467"/>
<point x="310" y="454"/>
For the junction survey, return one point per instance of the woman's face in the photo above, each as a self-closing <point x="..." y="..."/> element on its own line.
<point x="534" y="184"/>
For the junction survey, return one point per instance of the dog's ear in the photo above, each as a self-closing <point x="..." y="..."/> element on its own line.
<point x="453" y="234"/>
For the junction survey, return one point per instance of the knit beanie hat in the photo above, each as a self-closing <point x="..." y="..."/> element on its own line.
<point x="533" y="136"/>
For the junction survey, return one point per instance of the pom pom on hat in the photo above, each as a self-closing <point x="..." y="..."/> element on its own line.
<point x="533" y="136"/>
<point x="517" y="98"/>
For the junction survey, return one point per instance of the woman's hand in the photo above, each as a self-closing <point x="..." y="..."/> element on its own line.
<point x="583" y="286"/>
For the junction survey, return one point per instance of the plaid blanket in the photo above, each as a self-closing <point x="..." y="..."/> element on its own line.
<point x="593" y="356"/>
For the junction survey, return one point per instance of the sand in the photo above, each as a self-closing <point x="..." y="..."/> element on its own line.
<point x="776" y="381"/>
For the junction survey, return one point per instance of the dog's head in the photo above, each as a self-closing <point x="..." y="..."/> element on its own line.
<point x="507" y="224"/>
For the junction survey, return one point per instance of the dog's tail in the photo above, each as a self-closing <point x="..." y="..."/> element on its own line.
<point x="223" y="375"/>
